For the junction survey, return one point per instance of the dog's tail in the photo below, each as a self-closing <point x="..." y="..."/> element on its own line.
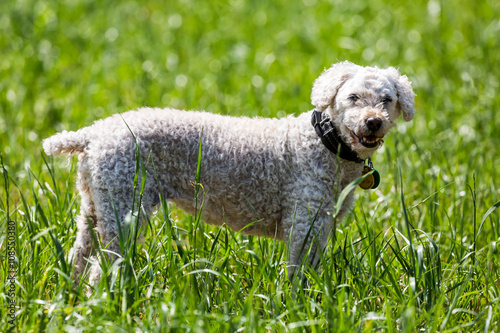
<point x="66" y="142"/>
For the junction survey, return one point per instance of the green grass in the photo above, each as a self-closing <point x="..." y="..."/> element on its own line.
<point x="420" y="253"/>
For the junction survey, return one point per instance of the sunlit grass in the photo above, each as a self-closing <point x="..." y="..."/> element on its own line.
<point x="420" y="253"/>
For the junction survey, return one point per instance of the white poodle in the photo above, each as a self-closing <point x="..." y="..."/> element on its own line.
<point x="278" y="173"/>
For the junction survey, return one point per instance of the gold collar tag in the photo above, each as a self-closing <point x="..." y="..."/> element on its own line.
<point x="372" y="181"/>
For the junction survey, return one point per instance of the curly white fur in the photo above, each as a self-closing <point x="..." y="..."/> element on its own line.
<point x="276" y="172"/>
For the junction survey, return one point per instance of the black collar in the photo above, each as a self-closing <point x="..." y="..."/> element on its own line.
<point x="331" y="139"/>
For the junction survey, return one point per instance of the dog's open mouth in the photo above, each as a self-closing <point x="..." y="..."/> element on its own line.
<point x="370" y="141"/>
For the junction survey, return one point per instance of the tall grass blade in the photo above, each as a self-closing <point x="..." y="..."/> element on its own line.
<point x="485" y="216"/>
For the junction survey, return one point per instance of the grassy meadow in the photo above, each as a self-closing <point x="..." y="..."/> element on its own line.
<point x="418" y="254"/>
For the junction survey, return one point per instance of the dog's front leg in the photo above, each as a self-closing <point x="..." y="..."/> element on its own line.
<point x="307" y="239"/>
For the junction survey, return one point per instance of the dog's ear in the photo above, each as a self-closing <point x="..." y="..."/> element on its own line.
<point x="406" y="96"/>
<point x="326" y="86"/>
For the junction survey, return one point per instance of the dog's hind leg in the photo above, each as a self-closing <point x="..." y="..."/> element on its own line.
<point x="107" y="228"/>
<point x="119" y="213"/>
<point x="82" y="249"/>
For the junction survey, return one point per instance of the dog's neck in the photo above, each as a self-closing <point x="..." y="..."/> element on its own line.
<point x="331" y="138"/>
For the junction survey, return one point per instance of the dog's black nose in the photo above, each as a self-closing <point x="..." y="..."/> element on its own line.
<point x="373" y="123"/>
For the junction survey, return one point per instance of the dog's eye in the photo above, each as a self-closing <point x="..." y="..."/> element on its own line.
<point x="353" y="98"/>
<point x="386" y="100"/>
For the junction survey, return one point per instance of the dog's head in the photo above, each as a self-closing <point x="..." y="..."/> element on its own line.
<point x="363" y="102"/>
